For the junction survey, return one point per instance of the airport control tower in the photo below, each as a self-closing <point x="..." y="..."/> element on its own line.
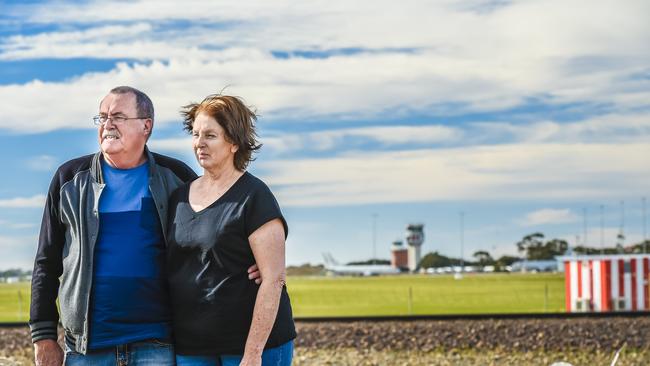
<point x="414" y="239"/>
<point x="399" y="256"/>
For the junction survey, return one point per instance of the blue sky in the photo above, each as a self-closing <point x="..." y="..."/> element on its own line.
<point x="521" y="114"/>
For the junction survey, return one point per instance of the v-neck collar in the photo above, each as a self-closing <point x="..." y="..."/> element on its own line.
<point x="227" y="192"/>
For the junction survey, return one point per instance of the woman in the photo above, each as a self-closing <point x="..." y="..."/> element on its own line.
<point x="220" y="224"/>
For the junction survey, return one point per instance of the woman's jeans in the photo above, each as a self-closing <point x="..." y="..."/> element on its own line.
<point x="278" y="356"/>
<point x="147" y="353"/>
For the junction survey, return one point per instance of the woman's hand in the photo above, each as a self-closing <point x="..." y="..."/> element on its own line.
<point x="255" y="274"/>
<point x="249" y="360"/>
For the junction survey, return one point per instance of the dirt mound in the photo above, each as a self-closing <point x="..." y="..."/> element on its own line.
<point x="600" y="336"/>
<point x="514" y="334"/>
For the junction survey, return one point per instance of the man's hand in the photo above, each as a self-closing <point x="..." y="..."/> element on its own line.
<point x="254" y="274"/>
<point x="48" y="353"/>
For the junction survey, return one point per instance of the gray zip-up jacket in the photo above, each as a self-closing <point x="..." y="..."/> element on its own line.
<point x="64" y="261"/>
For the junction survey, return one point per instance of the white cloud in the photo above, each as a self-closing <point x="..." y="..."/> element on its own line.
<point x="337" y="140"/>
<point x="42" y="163"/>
<point x="553" y="27"/>
<point x="607" y="128"/>
<point x="94" y="12"/>
<point x="464" y="58"/>
<point x="549" y="216"/>
<point x="288" y="89"/>
<point x="37" y="201"/>
<point x="500" y="172"/>
<point x="393" y="135"/>
<point x="17" y="225"/>
<point x="66" y="44"/>
<point x="347" y="138"/>
<point x="178" y="145"/>
<point x="17" y="251"/>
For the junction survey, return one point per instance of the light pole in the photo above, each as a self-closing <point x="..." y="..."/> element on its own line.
<point x="462" y="240"/>
<point x="374" y="238"/>
<point x="645" y="238"/>
<point x="602" y="229"/>
<point x="584" y="224"/>
<point x="621" y="234"/>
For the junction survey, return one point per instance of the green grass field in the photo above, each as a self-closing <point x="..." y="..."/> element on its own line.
<point x="389" y="295"/>
<point x="14" y="302"/>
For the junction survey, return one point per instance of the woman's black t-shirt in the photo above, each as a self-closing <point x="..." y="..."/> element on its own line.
<point x="208" y="257"/>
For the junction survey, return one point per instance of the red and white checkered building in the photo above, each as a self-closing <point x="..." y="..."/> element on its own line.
<point x="607" y="282"/>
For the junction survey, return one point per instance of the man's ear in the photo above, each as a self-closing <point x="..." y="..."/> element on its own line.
<point x="148" y="123"/>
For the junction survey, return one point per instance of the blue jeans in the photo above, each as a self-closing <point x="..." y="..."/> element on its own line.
<point x="278" y="356"/>
<point x="148" y="353"/>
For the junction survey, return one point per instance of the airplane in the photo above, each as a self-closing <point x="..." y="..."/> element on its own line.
<point x="333" y="267"/>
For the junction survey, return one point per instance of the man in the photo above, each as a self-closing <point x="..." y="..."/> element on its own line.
<point x="103" y="234"/>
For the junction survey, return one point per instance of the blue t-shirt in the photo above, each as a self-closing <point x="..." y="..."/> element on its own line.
<point x="129" y="300"/>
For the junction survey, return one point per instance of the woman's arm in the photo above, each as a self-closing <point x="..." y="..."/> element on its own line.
<point x="267" y="244"/>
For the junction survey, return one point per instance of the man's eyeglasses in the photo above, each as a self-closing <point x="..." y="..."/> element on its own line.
<point x="116" y="120"/>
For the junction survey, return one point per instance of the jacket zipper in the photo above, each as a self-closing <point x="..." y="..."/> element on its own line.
<point x="93" y="242"/>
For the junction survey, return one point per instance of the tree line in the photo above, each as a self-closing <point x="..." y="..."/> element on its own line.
<point x="15" y="272"/>
<point x="531" y="247"/>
